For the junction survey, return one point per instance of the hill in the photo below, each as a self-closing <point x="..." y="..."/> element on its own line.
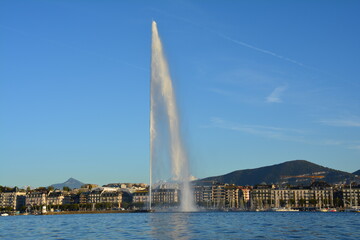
<point x="357" y="173"/>
<point x="273" y="174"/>
<point x="71" y="183"/>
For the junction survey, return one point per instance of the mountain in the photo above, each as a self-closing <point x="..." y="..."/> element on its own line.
<point x="71" y="183"/>
<point x="357" y="173"/>
<point x="273" y="174"/>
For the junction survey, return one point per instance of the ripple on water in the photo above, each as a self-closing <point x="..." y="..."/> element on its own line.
<point x="216" y="225"/>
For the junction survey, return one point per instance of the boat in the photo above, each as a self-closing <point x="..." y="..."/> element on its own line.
<point x="259" y="210"/>
<point x="327" y="210"/>
<point x="284" y="210"/>
<point x="353" y="209"/>
<point x="4" y="214"/>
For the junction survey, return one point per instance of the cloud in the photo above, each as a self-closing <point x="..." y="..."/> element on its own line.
<point x="221" y="92"/>
<point x="330" y="142"/>
<point x="274" y="97"/>
<point x="341" y="122"/>
<point x="277" y="133"/>
<point x="356" y="147"/>
<point x="285" y="134"/>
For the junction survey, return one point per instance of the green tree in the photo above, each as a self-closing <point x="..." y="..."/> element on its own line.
<point x="140" y="205"/>
<point x="23" y="208"/>
<point x="41" y="189"/>
<point x="125" y="205"/>
<point x="73" y="207"/>
<point x="313" y="202"/>
<point x="338" y="202"/>
<point x="99" y="206"/>
<point x="66" y="188"/>
<point x="302" y="202"/>
<point x="8" y="208"/>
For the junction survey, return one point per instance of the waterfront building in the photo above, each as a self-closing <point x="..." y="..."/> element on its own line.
<point x="165" y="195"/>
<point x="94" y="195"/>
<point x="141" y="196"/>
<point x="244" y="193"/>
<point x="351" y="196"/>
<point x="323" y="194"/>
<point x="203" y="195"/>
<point x="318" y="195"/>
<point x="131" y="187"/>
<point x="55" y="198"/>
<point x="218" y="195"/>
<point x="72" y="198"/>
<point x="36" y="199"/>
<point x="231" y="196"/>
<point x="113" y="197"/>
<point x="84" y="197"/>
<point x="215" y="195"/>
<point x="105" y="195"/>
<point x="261" y="196"/>
<point x="12" y="200"/>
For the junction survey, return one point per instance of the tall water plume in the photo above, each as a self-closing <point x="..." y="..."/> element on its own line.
<point x="165" y="138"/>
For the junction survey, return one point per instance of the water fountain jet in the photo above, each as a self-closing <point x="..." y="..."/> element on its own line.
<point x="165" y="138"/>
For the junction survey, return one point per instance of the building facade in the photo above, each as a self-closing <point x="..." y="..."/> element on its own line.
<point x="351" y="196"/>
<point x="141" y="197"/>
<point x="36" y="199"/>
<point x="270" y="196"/>
<point x="165" y="196"/>
<point x="55" y="198"/>
<point x="12" y="200"/>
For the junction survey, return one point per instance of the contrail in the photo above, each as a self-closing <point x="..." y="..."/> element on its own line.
<point x="260" y="49"/>
<point x="223" y="36"/>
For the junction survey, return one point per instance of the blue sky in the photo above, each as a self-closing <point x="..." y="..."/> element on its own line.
<point x="258" y="83"/>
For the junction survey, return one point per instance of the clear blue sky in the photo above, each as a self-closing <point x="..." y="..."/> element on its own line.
<point x="258" y="83"/>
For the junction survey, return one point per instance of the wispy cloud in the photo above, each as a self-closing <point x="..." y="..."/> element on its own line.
<point x="245" y="76"/>
<point x="330" y="142"/>
<point x="236" y="96"/>
<point x="341" y="122"/>
<point x="274" y="97"/>
<point x="356" y="147"/>
<point x="286" y="134"/>
<point x="221" y="91"/>
<point x="278" y="133"/>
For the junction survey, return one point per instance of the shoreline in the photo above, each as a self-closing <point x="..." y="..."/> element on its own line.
<point x="83" y="212"/>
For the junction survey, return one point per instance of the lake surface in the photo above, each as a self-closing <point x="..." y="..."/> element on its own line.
<point x="200" y="225"/>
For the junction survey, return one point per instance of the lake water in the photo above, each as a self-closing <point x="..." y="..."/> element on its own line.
<point x="201" y="225"/>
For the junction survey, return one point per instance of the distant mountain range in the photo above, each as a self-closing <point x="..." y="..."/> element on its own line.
<point x="291" y="172"/>
<point x="71" y="183"/>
